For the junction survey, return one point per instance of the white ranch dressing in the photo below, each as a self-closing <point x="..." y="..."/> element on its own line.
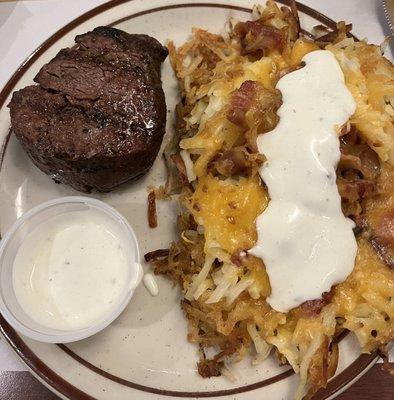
<point x="304" y="239"/>
<point x="71" y="270"/>
<point x="151" y="284"/>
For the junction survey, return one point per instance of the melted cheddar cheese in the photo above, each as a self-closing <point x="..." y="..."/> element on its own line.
<point x="227" y="210"/>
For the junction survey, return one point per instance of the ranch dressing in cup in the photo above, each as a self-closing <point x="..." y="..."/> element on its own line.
<point x="68" y="268"/>
<point x="71" y="269"/>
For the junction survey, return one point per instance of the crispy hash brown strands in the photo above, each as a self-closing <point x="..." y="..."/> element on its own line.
<point x="228" y="98"/>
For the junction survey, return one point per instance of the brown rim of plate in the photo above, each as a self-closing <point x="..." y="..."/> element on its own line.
<point x="342" y="380"/>
<point x="60" y="385"/>
<point x="31" y="359"/>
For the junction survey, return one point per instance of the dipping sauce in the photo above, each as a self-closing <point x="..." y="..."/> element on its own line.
<point x="71" y="270"/>
<point x="304" y="239"/>
<point x="151" y="284"/>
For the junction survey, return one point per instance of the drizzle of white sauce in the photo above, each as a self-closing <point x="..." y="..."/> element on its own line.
<point x="304" y="239"/>
<point x="151" y="284"/>
<point x="71" y="270"/>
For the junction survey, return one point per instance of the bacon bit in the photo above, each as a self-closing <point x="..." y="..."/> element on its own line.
<point x="385" y="228"/>
<point x="312" y="308"/>
<point x="252" y="95"/>
<point x="156" y="255"/>
<point x="358" y="170"/>
<point x="152" y="215"/>
<point x="241" y="101"/>
<point x="355" y="190"/>
<point x="232" y="162"/>
<point x="287" y="70"/>
<point x="382" y="238"/>
<point x="380" y="235"/>
<point x="257" y="36"/>
<point x="253" y="108"/>
<point x="180" y="165"/>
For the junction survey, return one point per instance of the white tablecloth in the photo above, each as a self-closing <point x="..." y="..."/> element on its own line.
<point x="24" y="25"/>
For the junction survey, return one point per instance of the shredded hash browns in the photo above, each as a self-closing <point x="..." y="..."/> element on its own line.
<point x="228" y="93"/>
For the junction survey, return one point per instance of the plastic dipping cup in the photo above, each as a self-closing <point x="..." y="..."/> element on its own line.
<point x="10" y="307"/>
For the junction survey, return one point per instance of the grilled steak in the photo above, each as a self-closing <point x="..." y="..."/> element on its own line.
<point x="97" y="117"/>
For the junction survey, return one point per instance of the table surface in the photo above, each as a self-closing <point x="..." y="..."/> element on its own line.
<point x="21" y="31"/>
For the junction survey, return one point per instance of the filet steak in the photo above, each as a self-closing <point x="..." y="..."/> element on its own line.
<point x="97" y="117"/>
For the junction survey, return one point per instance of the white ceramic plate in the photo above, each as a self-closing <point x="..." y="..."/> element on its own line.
<point x="144" y="353"/>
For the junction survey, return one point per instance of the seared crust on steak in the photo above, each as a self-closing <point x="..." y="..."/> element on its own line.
<point x="97" y="117"/>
